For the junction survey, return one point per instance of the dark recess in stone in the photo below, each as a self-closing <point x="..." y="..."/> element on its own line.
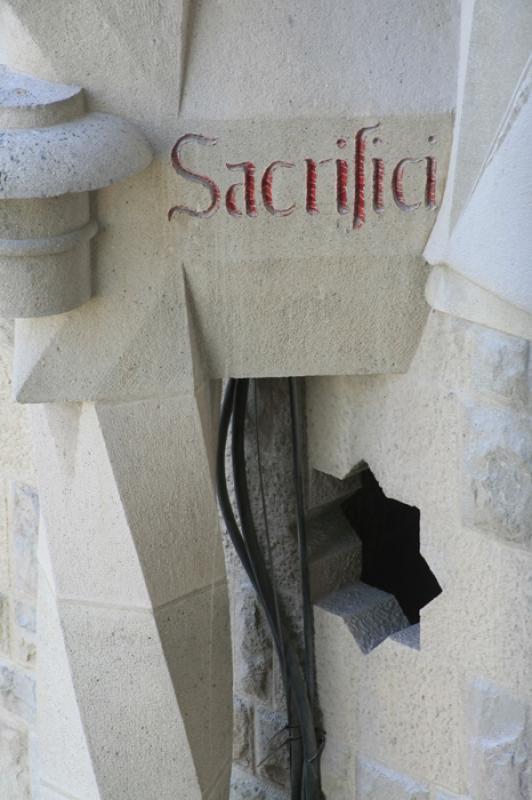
<point x="391" y="558"/>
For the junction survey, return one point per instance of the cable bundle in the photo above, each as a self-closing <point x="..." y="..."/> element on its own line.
<point x="306" y="744"/>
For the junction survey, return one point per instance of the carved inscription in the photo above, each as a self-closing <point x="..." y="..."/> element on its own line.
<point x="361" y="164"/>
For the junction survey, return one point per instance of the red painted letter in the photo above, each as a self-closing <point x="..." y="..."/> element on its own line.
<point x="378" y="185"/>
<point x="397" y="184"/>
<point x="267" y="189"/>
<point x="342" y="171"/>
<point x="209" y="184"/>
<point x="359" y="216"/>
<point x="430" y="188"/>
<point x="249" y="190"/>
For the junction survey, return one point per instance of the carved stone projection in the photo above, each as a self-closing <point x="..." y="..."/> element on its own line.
<point x="310" y="263"/>
<point x="51" y="155"/>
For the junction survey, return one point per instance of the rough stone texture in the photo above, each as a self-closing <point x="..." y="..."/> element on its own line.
<point x="17" y="692"/>
<point x="245" y="787"/>
<point x="498" y="453"/>
<point x="243" y="747"/>
<point x="24" y="530"/>
<point x="376" y="782"/>
<point x="500" y="731"/>
<point x="251" y="642"/>
<point x="24" y="632"/>
<point x="4" y="625"/>
<point x="271" y="748"/>
<point x="370" y="614"/>
<point x="499" y="365"/>
<point x="14" y="776"/>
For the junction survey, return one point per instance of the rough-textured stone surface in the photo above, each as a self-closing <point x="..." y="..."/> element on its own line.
<point x="251" y="642"/>
<point x="14" y="763"/>
<point x="498" y="455"/>
<point x="24" y="632"/>
<point x="17" y="691"/>
<point x="4" y="625"/>
<point x="271" y="748"/>
<point x="245" y="787"/>
<point x="24" y="528"/>
<point x="500" y="731"/>
<point x="370" y="614"/>
<point x="499" y="365"/>
<point x="243" y="732"/>
<point x="377" y="782"/>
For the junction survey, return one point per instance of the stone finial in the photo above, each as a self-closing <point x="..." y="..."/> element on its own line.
<point x="52" y="153"/>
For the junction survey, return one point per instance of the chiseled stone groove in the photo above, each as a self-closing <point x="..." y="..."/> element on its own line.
<point x="50" y="244"/>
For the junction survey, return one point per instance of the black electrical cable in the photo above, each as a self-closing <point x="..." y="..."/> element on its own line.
<point x="305" y="769"/>
<point x="308" y="621"/>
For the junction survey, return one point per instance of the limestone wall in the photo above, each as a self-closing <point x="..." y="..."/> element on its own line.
<point x="18" y="590"/>
<point x="452" y="437"/>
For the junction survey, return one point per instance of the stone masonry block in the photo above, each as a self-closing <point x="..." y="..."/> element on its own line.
<point x="24" y="629"/>
<point x="14" y="763"/>
<point x="370" y="614"/>
<point x="4" y="624"/>
<point x="17" y="692"/>
<point x="500" y="741"/>
<point x="252" y="644"/>
<point x="499" y="365"/>
<point x="442" y="794"/>
<point x="498" y="467"/>
<point x="271" y="752"/>
<point x="377" y="782"/>
<point x="24" y="520"/>
<point x="245" y="787"/>
<point x="242" y="731"/>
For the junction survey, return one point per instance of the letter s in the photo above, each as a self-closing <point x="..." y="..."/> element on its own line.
<point x="209" y="184"/>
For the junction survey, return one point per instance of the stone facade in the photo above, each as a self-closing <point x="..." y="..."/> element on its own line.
<point x="396" y="280"/>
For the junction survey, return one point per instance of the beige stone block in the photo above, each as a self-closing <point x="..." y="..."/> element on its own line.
<point x="385" y="703"/>
<point x="158" y="452"/>
<point x="136" y="730"/>
<point x="498" y="458"/>
<point x="89" y="538"/>
<point x="64" y="759"/>
<point x="195" y="638"/>
<point x="500" y="731"/>
<point x="499" y="365"/>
